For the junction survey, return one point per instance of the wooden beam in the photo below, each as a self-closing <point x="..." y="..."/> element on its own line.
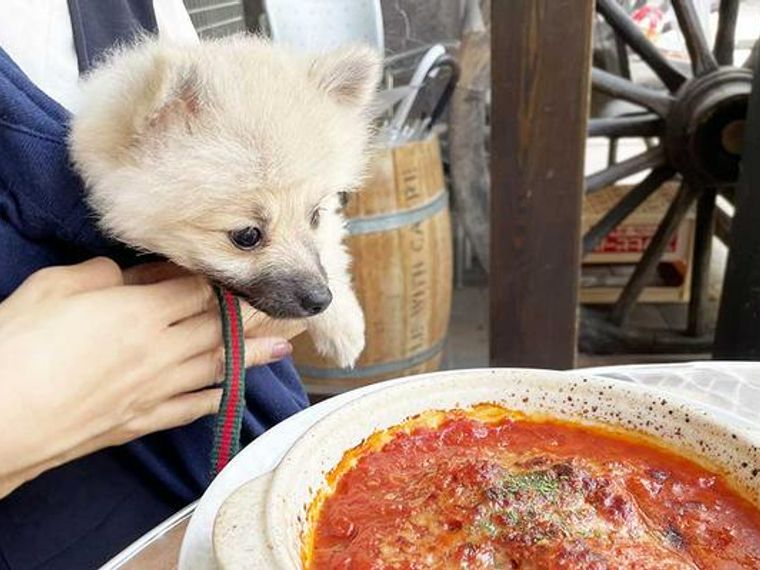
<point x="540" y="68"/>
<point x="737" y="336"/>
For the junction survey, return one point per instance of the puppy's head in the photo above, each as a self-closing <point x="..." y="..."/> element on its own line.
<point x="227" y="158"/>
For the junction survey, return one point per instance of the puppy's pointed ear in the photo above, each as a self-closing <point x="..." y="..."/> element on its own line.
<point x="145" y="90"/>
<point x="173" y="97"/>
<point x="349" y="74"/>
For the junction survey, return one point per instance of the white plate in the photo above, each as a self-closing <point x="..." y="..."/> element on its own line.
<point x="265" y="453"/>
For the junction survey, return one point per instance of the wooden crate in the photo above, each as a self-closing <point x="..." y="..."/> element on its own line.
<point x="605" y="270"/>
<point x="626" y="243"/>
<point x="602" y="284"/>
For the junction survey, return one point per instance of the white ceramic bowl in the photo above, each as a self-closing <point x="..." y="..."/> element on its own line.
<point x="271" y="518"/>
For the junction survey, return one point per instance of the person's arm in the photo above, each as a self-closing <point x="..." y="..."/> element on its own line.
<point x="87" y="361"/>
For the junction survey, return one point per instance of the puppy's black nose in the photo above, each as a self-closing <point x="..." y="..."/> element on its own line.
<point x="316" y="300"/>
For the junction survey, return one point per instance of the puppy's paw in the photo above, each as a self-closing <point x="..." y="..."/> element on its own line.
<point x="343" y="340"/>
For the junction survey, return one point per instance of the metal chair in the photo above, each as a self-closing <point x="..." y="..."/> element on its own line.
<point x="318" y="25"/>
<point x="321" y="25"/>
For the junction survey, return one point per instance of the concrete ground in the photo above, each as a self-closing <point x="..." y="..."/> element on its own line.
<point x="467" y="344"/>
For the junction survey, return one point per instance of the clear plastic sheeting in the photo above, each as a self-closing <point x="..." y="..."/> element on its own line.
<point x="733" y="387"/>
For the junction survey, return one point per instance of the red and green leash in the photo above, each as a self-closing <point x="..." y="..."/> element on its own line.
<point x="230" y="417"/>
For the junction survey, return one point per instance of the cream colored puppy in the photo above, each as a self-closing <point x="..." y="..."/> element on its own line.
<point x="228" y="158"/>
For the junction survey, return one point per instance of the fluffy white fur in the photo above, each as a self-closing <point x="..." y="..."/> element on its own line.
<point x="178" y="146"/>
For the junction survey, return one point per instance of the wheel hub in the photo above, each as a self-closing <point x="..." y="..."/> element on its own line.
<point x="704" y="129"/>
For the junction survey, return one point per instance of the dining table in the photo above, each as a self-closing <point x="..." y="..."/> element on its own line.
<point x="732" y="387"/>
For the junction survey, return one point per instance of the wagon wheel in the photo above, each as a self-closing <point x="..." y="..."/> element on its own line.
<point x="697" y="119"/>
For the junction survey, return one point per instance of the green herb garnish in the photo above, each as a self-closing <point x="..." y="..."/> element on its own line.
<point x="542" y="482"/>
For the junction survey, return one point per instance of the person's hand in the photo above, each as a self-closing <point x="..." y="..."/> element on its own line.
<point x="257" y="324"/>
<point x="91" y="357"/>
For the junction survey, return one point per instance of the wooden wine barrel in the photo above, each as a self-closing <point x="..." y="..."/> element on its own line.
<point x="400" y="240"/>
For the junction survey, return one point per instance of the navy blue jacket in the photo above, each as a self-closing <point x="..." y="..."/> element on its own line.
<point x="80" y="514"/>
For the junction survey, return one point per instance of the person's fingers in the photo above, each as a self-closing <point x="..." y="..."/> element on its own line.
<point x="178" y="299"/>
<point x="96" y="273"/>
<point x="193" y="336"/>
<point x="169" y="413"/>
<point x="203" y="371"/>
<point x="177" y="411"/>
<point x="91" y="275"/>
<point x="259" y="325"/>
<point x="207" y="369"/>
<point x="154" y="272"/>
<point x="259" y="351"/>
<point x="201" y="333"/>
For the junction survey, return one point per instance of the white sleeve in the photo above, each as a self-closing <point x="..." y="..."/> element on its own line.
<point x="173" y="21"/>
<point x="37" y="35"/>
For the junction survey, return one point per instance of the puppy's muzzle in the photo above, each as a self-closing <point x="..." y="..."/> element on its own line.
<point x="314" y="301"/>
<point x="288" y="296"/>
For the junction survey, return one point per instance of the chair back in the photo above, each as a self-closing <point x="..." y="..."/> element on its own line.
<point x="321" y="25"/>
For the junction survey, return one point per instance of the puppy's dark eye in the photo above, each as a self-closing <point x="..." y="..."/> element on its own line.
<point x="247" y="238"/>
<point x="314" y="220"/>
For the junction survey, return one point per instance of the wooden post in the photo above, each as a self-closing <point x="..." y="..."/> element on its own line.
<point x="737" y="336"/>
<point x="540" y="67"/>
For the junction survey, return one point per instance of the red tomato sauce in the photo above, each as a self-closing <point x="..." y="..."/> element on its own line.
<point x="526" y="494"/>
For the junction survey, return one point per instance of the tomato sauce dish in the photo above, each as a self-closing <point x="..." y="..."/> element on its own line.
<point x="504" y="468"/>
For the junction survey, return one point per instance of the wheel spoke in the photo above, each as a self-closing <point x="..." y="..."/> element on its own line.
<point x="632" y="126"/>
<point x="623" y="60"/>
<point x="620" y="211"/>
<point x="702" y="60"/>
<point x="644" y="161"/>
<point x="724" y="38"/>
<point x="612" y="152"/>
<point x="652" y="255"/>
<point x="700" y="279"/>
<point x="616" y="86"/>
<point x="619" y="20"/>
